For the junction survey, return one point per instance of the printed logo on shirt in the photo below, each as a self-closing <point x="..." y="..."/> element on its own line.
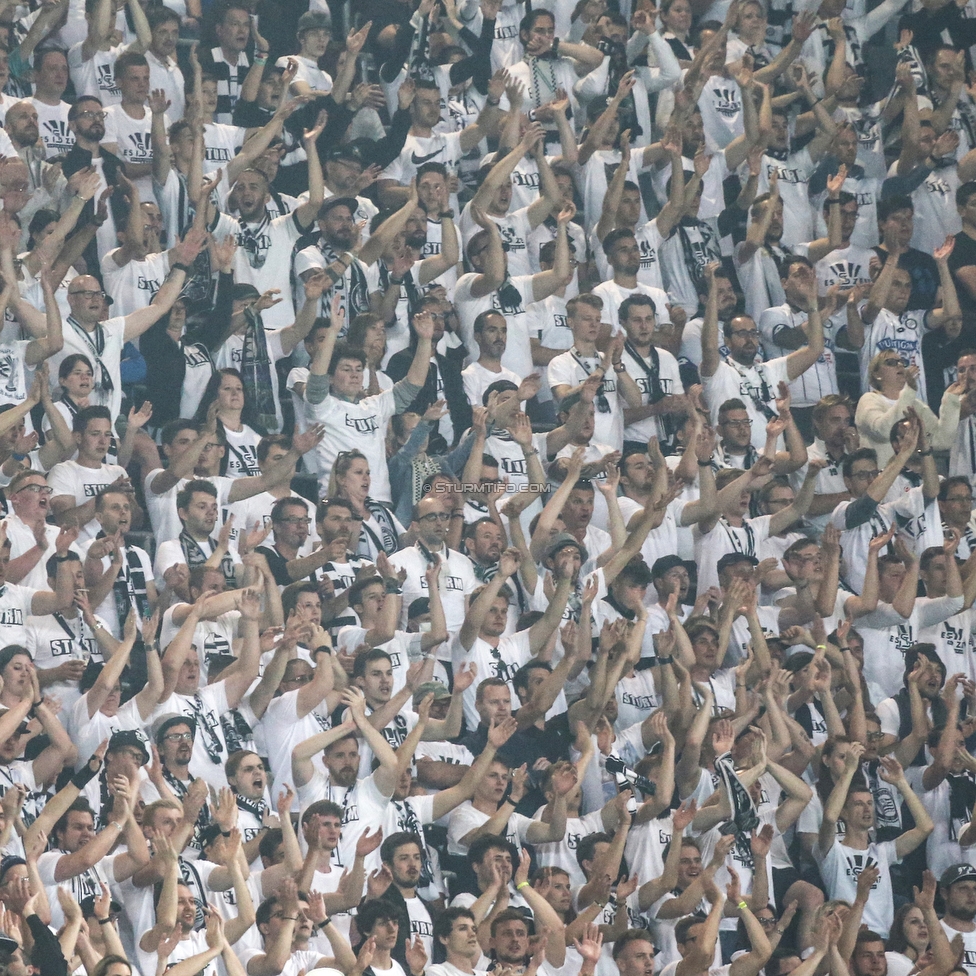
<point x="727" y="102"/>
<point x="648" y="254"/>
<point x="513" y="465"/>
<point x="510" y="240"/>
<point x="105" y="79"/>
<point x="420" y="160"/>
<point x="215" y="154"/>
<point x="152" y="285"/>
<point x="447" y="582"/>
<point x="11" y="617"/>
<point x="141" y="147"/>
<point x="644" y="385"/>
<point x="528" y="180"/>
<point x="955" y="638"/>
<point x="56" y="134"/>
<point x="506" y="33"/>
<point x="785" y="174"/>
<point x="857" y="861"/>
<point x="864" y="199"/>
<point x="937" y="186"/>
<point x="507" y="309"/>
<point x="420" y="927"/>
<point x="363" y="425"/>
<point x="845" y="273"/>
<point x="60" y="647"/>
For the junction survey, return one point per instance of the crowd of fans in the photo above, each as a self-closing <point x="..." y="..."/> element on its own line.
<point x="487" y="487"/>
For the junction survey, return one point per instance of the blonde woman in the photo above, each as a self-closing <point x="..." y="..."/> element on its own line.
<point x="893" y="391"/>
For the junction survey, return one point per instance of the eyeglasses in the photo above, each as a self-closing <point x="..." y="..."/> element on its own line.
<point x="38" y="489"/>
<point x="875" y="736"/>
<point x="746" y="333"/>
<point x="295" y="520"/>
<point x="88" y="294"/>
<point x="766" y="921"/>
<point x="865" y="475"/>
<point x="968" y="499"/>
<point x="737" y="424"/>
<point x="178" y="737"/>
<point x="301" y="679"/>
<point x="101" y="116"/>
<point x="893" y="362"/>
<point x="435" y="517"/>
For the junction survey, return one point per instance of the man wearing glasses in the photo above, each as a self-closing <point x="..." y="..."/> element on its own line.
<point x="956" y="508"/>
<point x="290" y="521"/>
<point x="32" y="538"/>
<point x="739" y="374"/>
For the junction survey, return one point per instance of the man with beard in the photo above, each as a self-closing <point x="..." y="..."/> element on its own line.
<point x="290" y="521"/>
<point x="196" y="505"/>
<point x="364" y="801"/>
<point x="174" y="736"/>
<point x="338" y="234"/>
<point x="494" y="196"/>
<point x="958" y="888"/>
<point x="336" y="523"/>
<point x="403" y="855"/>
<point x="345" y="175"/>
<point x="86" y="121"/>
<point x="263" y="255"/>
<point x="740" y="375"/>
<point x="484" y="541"/>
<point x="491" y="333"/>
<point x="624" y="256"/>
<point x="22" y="128"/>
<point x="510" y="943"/>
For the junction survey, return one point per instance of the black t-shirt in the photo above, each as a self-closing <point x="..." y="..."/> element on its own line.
<point x="963" y="255"/>
<point x="277" y="564"/>
<point x="924" y="272"/>
<point x="940" y="355"/>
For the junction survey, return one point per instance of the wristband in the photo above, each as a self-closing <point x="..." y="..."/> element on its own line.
<point x="819" y="646"/>
<point x="612" y="900"/>
<point x="396" y="281"/>
<point x="666" y="660"/>
<point x="555" y="47"/>
<point x="57" y="558"/>
<point x="392" y="587"/>
<point x="322" y="648"/>
<point x="521" y="885"/>
<point x="455" y="515"/>
<point x="18" y="457"/>
<point x="493" y="104"/>
<point x="530" y="452"/>
<point x="225" y="833"/>
<point x="619" y="367"/>
<point x="104" y="921"/>
<point x="120" y="827"/>
<point x="180" y="266"/>
<point x="742" y="906"/>
<point x="707" y="463"/>
<point x="446" y="215"/>
<point x="325" y="922"/>
<point x="85" y="775"/>
<point x="261" y="61"/>
<point x="347" y="255"/>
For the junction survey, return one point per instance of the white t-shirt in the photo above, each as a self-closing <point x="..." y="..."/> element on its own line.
<point x="82" y="484"/>
<point x="840" y="867"/>
<point x="501" y="661"/>
<point x="133" y="140"/>
<point x="512" y="301"/>
<point x="359" y="426"/>
<point x="103" y="347"/>
<point x="755" y="385"/>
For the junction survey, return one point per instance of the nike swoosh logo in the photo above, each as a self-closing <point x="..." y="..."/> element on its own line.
<point x="420" y="160"/>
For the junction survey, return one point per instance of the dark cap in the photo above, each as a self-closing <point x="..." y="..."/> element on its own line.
<point x="958" y="872"/>
<point x="562" y="541"/>
<point x="8" y="862"/>
<point x="351" y="202"/>
<point x="731" y="558"/>
<point x="664" y="565"/>
<point x="168" y="721"/>
<point x="87" y="906"/>
<point x="130" y="737"/>
<point x="349" y="152"/>
<point x="418" y="607"/>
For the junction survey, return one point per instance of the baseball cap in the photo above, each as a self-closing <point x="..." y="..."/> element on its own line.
<point x="958" y="872"/>
<point x="130" y="737"/>
<point x="351" y="202"/>
<point x="348" y="152"/>
<point x="664" y="565"/>
<point x="732" y="558"/>
<point x="434" y="688"/>
<point x="561" y="541"/>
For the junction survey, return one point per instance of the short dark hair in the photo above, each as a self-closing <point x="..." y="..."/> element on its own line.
<point x="965" y="192"/>
<point x="631" y="935"/>
<point x="345" y="351"/>
<point x="861" y="454"/>
<point x="444" y="923"/>
<point x="394" y="842"/>
<point x="84" y="416"/>
<point x="889" y="205"/>
<point x="623" y="313"/>
<point x="185" y="495"/>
